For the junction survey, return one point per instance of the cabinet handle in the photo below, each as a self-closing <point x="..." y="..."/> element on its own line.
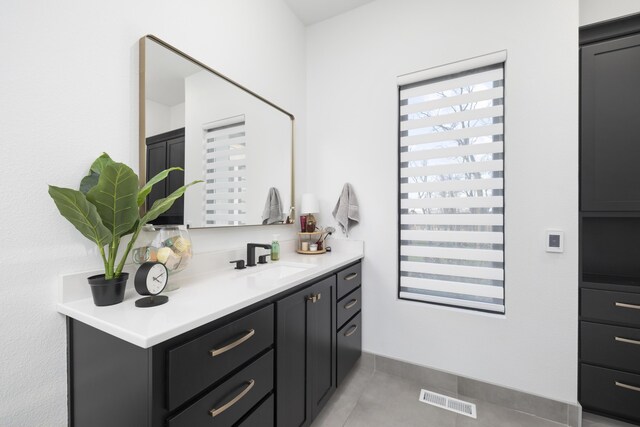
<point x="350" y="304"/>
<point x="351" y="276"/>
<point x="624" y="305"/>
<point x="218" y="351"/>
<point x="627" y="340"/>
<point x="215" y="412"/>
<point x="627" y="386"/>
<point x="351" y="331"/>
<point x="314" y="298"/>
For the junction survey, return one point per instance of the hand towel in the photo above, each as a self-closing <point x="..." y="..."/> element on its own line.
<point x="272" y="212"/>
<point x="347" y="211"/>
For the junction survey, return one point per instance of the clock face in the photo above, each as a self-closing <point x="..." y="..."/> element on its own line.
<point x="156" y="279"/>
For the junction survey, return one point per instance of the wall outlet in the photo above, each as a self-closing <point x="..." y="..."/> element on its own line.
<point x="555" y="241"/>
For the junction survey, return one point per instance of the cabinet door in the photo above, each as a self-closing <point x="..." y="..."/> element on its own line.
<point x="156" y="163"/>
<point x="305" y="346"/>
<point x="610" y="107"/>
<point x="175" y="180"/>
<point x="321" y="322"/>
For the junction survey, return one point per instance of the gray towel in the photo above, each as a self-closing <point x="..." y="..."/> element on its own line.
<point x="347" y="211"/>
<point x="272" y="212"/>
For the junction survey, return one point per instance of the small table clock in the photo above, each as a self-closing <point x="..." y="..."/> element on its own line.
<point x="151" y="279"/>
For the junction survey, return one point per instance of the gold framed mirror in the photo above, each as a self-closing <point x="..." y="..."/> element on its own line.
<point x="240" y="144"/>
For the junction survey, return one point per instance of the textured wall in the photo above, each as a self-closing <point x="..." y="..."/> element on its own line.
<point x="592" y="11"/>
<point x="69" y="90"/>
<point x="355" y="58"/>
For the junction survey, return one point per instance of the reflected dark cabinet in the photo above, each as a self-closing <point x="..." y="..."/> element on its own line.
<point x="306" y="353"/>
<point x="609" y="354"/>
<point x="165" y="151"/>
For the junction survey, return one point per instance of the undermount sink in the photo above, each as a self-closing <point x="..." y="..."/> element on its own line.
<point x="272" y="272"/>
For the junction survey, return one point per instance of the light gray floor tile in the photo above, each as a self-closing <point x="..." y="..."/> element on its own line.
<point x="490" y="415"/>
<point x="512" y="399"/>
<point x="426" y="377"/>
<point x="341" y="404"/>
<point x="592" y="420"/>
<point x="390" y="401"/>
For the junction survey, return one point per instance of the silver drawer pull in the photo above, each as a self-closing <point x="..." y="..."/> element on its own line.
<point x="351" y="331"/>
<point x="351" y="276"/>
<point x="218" y="351"/>
<point x="215" y="412"/>
<point x="627" y="340"/>
<point x="624" y="305"/>
<point x="350" y="304"/>
<point x="314" y="298"/>
<point x="627" y="386"/>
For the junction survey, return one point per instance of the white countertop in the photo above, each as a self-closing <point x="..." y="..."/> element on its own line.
<point x="205" y="294"/>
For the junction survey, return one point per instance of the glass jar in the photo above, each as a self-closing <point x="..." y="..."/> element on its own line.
<point x="168" y="244"/>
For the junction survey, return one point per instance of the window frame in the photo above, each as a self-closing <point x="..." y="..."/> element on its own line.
<point x="494" y="59"/>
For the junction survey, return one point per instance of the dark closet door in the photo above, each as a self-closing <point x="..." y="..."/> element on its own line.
<point x="610" y="125"/>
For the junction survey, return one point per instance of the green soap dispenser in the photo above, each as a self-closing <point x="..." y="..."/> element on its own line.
<point x="275" y="248"/>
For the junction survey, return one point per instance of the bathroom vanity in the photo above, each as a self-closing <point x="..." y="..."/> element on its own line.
<point x="264" y="346"/>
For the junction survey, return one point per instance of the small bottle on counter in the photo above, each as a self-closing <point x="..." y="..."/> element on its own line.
<point x="275" y="248"/>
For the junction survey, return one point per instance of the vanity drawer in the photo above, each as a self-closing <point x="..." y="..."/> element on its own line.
<point x="262" y="416"/>
<point x="349" y="347"/>
<point x="199" y="363"/>
<point x="610" y="391"/>
<point x="614" y="346"/>
<point x="349" y="279"/>
<point x="609" y="306"/>
<point x="232" y="399"/>
<point x="349" y="306"/>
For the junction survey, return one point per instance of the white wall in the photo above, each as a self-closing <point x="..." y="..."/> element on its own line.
<point x="353" y="61"/>
<point x="592" y="11"/>
<point x="69" y="85"/>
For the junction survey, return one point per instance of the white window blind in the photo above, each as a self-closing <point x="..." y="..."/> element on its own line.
<point x="451" y="199"/>
<point x="225" y="171"/>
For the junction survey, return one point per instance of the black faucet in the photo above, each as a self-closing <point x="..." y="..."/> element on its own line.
<point x="251" y="252"/>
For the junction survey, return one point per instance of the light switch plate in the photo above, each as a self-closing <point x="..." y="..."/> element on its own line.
<point x="555" y="241"/>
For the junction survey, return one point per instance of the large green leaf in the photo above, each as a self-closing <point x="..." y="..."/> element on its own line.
<point x="91" y="180"/>
<point x="160" y="206"/>
<point x="144" y="191"/>
<point x="100" y="163"/>
<point x="74" y="206"/>
<point x="115" y="198"/>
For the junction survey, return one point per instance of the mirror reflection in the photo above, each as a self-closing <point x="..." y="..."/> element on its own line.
<point x="238" y="143"/>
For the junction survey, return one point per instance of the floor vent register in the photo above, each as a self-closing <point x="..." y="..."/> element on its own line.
<point x="448" y="403"/>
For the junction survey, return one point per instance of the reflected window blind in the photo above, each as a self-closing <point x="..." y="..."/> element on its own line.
<point x="451" y="189"/>
<point x="225" y="171"/>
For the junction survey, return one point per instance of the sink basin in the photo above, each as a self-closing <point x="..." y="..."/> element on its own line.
<point x="274" y="272"/>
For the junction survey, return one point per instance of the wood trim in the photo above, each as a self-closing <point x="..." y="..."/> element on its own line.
<point x="606" y="30"/>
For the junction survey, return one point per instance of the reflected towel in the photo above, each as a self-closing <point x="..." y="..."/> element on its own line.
<point x="272" y="212"/>
<point x="347" y="211"/>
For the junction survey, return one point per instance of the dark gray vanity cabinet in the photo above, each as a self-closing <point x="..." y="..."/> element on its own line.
<point x="274" y="363"/>
<point x="217" y="374"/>
<point x="166" y="151"/>
<point x="609" y="341"/>
<point x="349" y="324"/>
<point x="306" y="353"/>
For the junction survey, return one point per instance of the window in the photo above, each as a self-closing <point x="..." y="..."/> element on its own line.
<point x="451" y="184"/>
<point x="225" y="171"/>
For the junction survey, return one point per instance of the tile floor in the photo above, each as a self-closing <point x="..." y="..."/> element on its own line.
<point x="372" y="398"/>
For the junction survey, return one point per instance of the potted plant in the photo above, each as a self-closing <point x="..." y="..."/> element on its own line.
<point x="104" y="210"/>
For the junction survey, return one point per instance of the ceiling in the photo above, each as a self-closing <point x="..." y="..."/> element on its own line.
<point x="312" y="11"/>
